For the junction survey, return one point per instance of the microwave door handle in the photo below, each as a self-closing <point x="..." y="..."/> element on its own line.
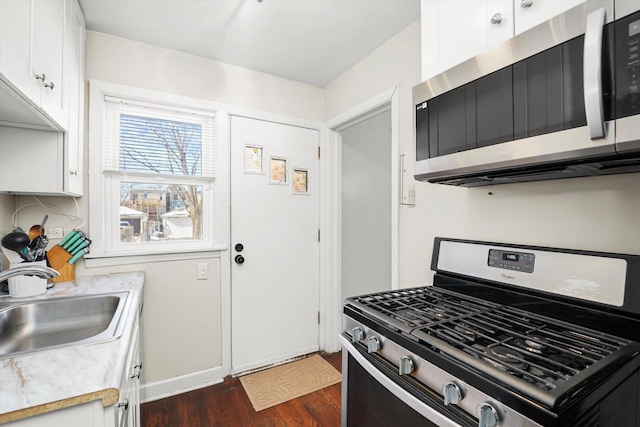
<point x="592" y="68"/>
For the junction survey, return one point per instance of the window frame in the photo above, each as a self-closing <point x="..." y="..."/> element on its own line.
<point x="104" y="184"/>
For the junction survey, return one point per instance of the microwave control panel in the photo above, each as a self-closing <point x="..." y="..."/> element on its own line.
<point x="510" y="260"/>
<point x="628" y="65"/>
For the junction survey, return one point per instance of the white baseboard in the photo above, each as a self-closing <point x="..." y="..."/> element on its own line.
<point x="172" y="386"/>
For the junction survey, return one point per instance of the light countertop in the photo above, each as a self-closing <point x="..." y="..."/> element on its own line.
<point x="58" y="378"/>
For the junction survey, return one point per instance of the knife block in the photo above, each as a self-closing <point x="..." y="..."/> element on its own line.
<point x="67" y="273"/>
<point x="58" y="258"/>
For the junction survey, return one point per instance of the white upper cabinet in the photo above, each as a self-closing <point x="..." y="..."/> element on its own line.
<point x="15" y="46"/>
<point x="529" y="13"/>
<point x="456" y="30"/>
<point x="48" y="25"/>
<point x="41" y="96"/>
<point x="32" y="36"/>
<point x="74" y="138"/>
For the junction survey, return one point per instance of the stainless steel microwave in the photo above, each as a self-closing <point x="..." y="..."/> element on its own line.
<point x="560" y="100"/>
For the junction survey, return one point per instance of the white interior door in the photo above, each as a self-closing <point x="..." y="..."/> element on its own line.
<point x="275" y="217"/>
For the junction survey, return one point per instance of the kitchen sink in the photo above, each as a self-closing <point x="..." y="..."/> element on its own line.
<point x="29" y="327"/>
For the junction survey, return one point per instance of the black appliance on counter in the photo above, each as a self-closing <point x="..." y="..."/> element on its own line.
<point x="508" y="335"/>
<point x="560" y="100"/>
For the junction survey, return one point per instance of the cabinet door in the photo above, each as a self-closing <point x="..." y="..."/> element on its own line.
<point x="499" y="20"/>
<point x="456" y="30"/>
<point x="127" y="411"/>
<point x="15" y="46"/>
<point x="74" y="85"/>
<point x="529" y="13"/>
<point x="48" y="38"/>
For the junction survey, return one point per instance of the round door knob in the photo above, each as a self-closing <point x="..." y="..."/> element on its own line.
<point x="496" y="19"/>
<point x="239" y="259"/>
<point x="488" y="416"/>
<point x="452" y="393"/>
<point x="239" y="247"/>
<point x="373" y="344"/>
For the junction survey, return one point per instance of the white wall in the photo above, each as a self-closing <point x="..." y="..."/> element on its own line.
<point x="118" y="60"/>
<point x="366" y="206"/>
<point x="182" y="332"/>
<point x="596" y="213"/>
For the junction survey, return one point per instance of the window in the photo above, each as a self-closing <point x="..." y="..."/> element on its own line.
<point x="156" y="162"/>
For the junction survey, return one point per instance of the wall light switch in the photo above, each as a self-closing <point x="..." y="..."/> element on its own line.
<point x="202" y="271"/>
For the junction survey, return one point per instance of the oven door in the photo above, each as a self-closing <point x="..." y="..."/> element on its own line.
<point x="374" y="394"/>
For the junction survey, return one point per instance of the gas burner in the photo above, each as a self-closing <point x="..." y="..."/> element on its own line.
<point x="505" y="355"/>
<point x="534" y="343"/>
<point x="436" y="311"/>
<point x="531" y="346"/>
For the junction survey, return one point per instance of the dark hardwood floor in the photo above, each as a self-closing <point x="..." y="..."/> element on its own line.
<point x="227" y="405"/>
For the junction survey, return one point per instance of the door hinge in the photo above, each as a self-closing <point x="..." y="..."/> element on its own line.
<point x="318" y="317"/>
<point x="318" y="153"/>
<point x="318" y="234"/>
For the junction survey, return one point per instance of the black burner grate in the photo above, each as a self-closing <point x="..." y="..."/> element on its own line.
<point x="536" y="353"/>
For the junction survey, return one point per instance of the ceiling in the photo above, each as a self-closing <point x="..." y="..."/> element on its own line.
<point x="310" y="41"/>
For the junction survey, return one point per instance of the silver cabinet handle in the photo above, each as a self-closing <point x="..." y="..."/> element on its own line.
<point x="124" y="415"/>
<point x="49" y="85"/>
<point x="137" y="370"/>
<point x="42" y="77"/>
<point x="74" y="172"/>
<point x="496" y="19"/>
<point x="592" y="69"/>
<point x="526" y="4"/>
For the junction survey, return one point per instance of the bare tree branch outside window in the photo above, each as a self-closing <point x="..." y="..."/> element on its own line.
<point x="165" y="147"/>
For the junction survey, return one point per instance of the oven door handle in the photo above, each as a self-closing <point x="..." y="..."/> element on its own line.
<point x="415" y="403"/>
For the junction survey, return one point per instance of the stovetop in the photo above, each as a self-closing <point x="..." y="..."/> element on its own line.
<point x="541" y="357"/>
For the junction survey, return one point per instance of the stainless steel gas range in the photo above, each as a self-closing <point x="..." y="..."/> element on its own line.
<point x="508" y="335"/>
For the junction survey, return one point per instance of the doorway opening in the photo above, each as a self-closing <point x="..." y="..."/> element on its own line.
<point x="362" y="242"/>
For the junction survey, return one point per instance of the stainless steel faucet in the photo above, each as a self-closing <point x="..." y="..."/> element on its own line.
<point x="41" y="271"/>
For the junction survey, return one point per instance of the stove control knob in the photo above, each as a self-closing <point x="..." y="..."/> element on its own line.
<point x="452" y="393"/>
<point x="357" y="334"/>
<point x="406" y="365"/>
<point x="373" y="344"/>
<point x="488" y="416"/>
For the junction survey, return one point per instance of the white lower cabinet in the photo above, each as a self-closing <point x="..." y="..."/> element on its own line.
<point x="124" y="413"/>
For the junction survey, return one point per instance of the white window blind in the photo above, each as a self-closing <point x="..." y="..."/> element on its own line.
<point x="141" y="138"/>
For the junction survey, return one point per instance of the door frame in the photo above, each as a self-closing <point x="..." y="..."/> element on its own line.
<point x="331" y="209"/>
<point x="225" y="256"/>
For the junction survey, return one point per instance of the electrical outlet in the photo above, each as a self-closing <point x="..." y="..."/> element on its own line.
<point x="55" y="232"/>
<point x="202" y="271"/>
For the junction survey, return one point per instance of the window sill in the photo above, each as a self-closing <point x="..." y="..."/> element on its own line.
<point x="110" y="260"/>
